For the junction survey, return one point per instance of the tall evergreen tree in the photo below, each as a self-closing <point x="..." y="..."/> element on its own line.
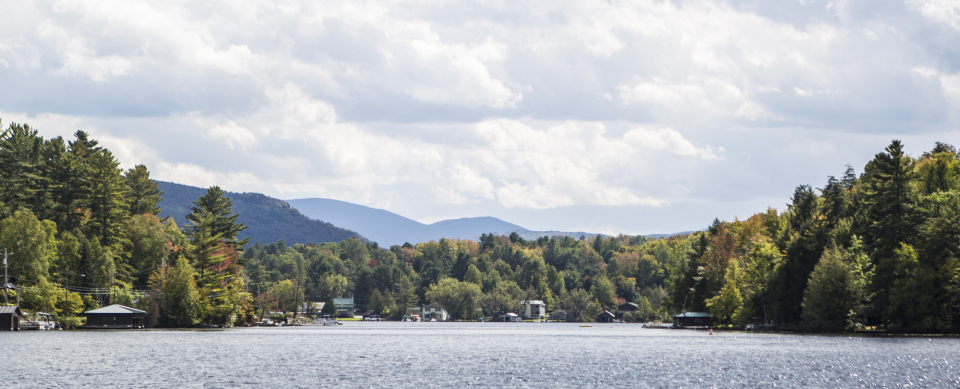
<point x="108" y="210"/>
<point x="891" y="214"/>
<point x="142" y="194"/>
<point x="21" y="181"/>
<point x="214" y="211"/>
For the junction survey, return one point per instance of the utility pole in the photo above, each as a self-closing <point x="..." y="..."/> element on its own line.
<point x="6" y="279"/>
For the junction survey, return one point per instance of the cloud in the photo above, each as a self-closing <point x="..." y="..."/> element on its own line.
<point x="941" y="11"/>
<point x="671" y="140"/>
<point x="233" y="135"/>
<point x="453" y="108"/>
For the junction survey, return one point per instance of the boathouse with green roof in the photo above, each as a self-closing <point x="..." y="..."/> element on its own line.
<point x="693" y="319"/>
<point x="115" y="316"/>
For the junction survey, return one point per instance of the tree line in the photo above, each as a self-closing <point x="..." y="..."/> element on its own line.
<point x="84" y="233"/>
<point x="878" y="248"/>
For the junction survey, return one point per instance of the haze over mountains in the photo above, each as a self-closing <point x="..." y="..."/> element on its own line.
<point x="319" y="220"/>
<point x="388" y="228"/>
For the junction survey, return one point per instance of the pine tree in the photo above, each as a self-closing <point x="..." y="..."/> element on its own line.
<point x="142" y="194"/>
<point x="891" y="214"/>
<point x="22" y="184"/>
<point x="108" y="211"/>
<point x="212" y="211"/>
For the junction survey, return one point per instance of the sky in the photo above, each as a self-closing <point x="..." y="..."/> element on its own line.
<point x="631" y="117"/>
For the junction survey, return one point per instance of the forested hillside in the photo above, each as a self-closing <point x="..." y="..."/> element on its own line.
<point x="875" y="248"/>
<point x="267" y="219"/>
<point x="879" y="248"/>
<point x="82" y="233"/>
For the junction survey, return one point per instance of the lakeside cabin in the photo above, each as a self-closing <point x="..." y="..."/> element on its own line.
<point x="606" y="317"/>
<point x="10" y="318"/>
<point x="511" y="317"/>
<point x="345" y="306"/>
<point x="434" y="312"/>
<point x="114" y="316"/>
<point x="624" y="308"/>
<point x="534" y="310"/>
<point x="692" y="320"/>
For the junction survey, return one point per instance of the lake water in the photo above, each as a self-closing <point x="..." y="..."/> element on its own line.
<point x="535" y="355"/>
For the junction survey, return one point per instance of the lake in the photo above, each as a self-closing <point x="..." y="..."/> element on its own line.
<point x="535" y="355"/>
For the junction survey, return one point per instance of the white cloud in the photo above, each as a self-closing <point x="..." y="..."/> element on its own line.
<point x="940" y="11"/>
<point x="531" y="105"/>
<point x="233" y="135"/>
<point x="671" y="140"/>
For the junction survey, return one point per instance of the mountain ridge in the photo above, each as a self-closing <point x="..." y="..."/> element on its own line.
<point x="267" y="219"/>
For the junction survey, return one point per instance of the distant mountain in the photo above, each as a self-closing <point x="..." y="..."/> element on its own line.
<point x="267" y="219"/>
<point x="388" y="228"/>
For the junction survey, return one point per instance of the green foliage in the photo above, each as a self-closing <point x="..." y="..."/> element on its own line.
<point x="829" y="296"/>
<point x="142" y="194"/>
<point x="728" y="303"/>
<point x="603" y="291"/>
<point x="28" y="240"/>
<point x="329" y="308"/>
<point x="505" y="297"/>
<point x="212" y="217"/>
<point x="181" y="302"/>
<point x="580" y="305"/>
<point x="108" y="210"/>
<point x="459" y="298"/>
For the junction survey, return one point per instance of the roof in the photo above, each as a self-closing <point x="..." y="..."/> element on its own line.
<point x="510" y="314"/>
<point x="629" y="304"/>
<point x="607" y="313"/>
<point x="115" y="309"/>
<point x="343" y="301"/>
<point x="10" y="309"/>
<point x="693" y="314"/>
<point x="534" y="302"/>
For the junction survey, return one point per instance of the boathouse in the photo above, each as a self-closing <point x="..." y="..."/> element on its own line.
<point x="624" y="308"/>
<point x="114" y="316"/>
<point x="344" y="306"/>
<point x="10" y="318"/>
<point x="693" y="319"/>
<point x="511" y="317"/>
<point x="606" y="317"/>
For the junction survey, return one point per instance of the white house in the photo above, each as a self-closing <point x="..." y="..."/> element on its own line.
<point x="534" y="310"/>
<point x="510" y="316"/>
<point x="434" y="311"/>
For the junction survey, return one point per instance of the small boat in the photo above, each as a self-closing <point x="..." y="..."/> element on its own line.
<point x="585" y="325"/>
<point x="265" y="323"/>
<point x="42" y="321"/>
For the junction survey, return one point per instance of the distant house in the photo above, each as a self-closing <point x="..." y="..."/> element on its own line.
<point x="345" y="306"/>
<point x="558" y="315"/>
<point x="115" y="316"/>
<point x="606" y="317"/>
<point x="534" y="310"/>
<point x="371" y="315"/>
<point x="511" y="317"/>
<point x="693" y="319"/>
<point x="624" y="308"/>
<point x="434" y="311"/>
<point x="10" y="318"/>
